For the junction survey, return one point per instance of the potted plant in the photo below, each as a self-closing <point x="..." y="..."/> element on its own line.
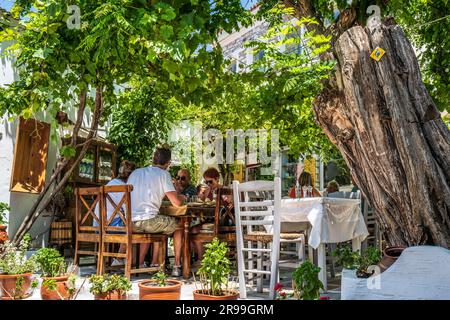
<point x="109" y="287"/>
<point x="159" y="288"/>
<point x="214" y="273"/>
<point x="346" y="257"/>
<point x="306" y="283"/>
<point x="371" y="257"/>
<point x="3" y="222"/>
<point x="352" y="260"/>
<point x="16" y="271"/>
<point x="390" y="255"/>
<point x="58" y="283"/>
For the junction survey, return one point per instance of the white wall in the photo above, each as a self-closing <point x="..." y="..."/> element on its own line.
<point x="21" y="203"/>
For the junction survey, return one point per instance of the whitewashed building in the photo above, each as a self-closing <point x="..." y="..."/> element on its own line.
<point x="21" y="201"/>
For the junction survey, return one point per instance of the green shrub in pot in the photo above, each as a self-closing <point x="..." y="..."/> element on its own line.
<point x="58" y="283"/>
<point x="349" y="259"/>
<point x="306" y="283"/>
<point x="16" y="271"/>
<point x="109" y="286"/>
<point x="214" y="273"/>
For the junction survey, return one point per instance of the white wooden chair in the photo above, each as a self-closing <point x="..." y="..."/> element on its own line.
<point x="250" y="217"/>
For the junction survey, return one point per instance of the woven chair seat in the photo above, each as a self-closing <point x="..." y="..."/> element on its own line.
<point x="267" y="237"/>
<point x="258" y="236"/>
<point x="290" y="236"/>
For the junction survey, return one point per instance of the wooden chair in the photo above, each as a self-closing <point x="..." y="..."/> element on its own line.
<point x="223" y="233"/>
<point x="250" y="217"/>
<point x="124" y="234"/>
<point x="86" y="201"/>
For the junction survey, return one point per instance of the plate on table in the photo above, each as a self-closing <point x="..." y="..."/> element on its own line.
<point x="195" y="204"/>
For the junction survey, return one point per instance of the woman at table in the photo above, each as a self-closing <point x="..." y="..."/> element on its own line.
<point x="212" y="182"/>
<point x="307" y="189"/>
<point x="125" y="169"/>
<point x="206" y="192"/>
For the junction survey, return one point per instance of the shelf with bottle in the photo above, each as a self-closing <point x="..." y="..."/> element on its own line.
<point x="86" y="167"/>
<point x="105" y="168"/>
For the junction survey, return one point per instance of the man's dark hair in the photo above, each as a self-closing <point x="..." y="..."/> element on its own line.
<point x="162" y="156"/>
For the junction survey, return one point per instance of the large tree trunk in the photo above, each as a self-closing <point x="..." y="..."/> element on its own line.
<point x="386" y="126"/>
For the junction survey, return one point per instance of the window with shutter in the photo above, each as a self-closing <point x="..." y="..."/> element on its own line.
<point x="30" y="156"/>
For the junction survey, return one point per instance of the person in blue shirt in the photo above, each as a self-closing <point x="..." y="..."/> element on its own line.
<point x="125" y="169"/>
<point x="183" y="184"/>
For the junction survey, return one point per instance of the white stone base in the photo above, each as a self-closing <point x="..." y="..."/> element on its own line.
<point x="420" y="273"/>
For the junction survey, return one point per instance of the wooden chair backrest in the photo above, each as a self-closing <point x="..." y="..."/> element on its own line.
<point x="87" y="199"/>
<point x="224" y="191"/>
<point x="121" y="209"/>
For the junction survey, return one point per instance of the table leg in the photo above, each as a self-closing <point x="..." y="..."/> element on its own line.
<point x="310" y="254"/>
<point x="310" y="249"/>
<point x="322" y="263"/>
<point x="186" y="251"/>
<point x="356" y="245"/>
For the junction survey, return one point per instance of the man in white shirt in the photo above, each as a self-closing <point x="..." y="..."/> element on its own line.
<point x="150" y="186"/>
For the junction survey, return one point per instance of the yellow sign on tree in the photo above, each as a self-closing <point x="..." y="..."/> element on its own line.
<point x="377" y="54"/>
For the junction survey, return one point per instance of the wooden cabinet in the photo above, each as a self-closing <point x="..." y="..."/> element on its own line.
<point x="98" y="165"/>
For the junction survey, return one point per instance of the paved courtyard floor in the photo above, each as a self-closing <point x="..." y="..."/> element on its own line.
<point x="189" y="286"/>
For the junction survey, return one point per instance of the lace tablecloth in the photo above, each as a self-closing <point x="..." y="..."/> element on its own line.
<point x="332" y="220"/>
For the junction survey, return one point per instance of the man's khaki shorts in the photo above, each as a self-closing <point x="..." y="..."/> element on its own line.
<point x="158" y="224"/>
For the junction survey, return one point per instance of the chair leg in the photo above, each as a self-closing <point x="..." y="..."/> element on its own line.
<point x="137" y="254"/>
<point x="259" y="266"/>
<point x="128" y="259"/>
<point x="162" y="254"/>
<point x="331" y="247"/>
<point x="301" y="249"/>
<point x="274" y="272"/>
<point x="241" y="267"/>
<point x="76" y="258"/>
<point x="100" y="260"/>
<point x="250" y="262"/>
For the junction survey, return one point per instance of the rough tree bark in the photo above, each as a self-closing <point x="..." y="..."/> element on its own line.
<point x="41" y="203"/>
<point x="390" y="133"/>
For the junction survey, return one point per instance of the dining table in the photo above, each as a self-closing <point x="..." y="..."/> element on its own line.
<point x="185" y="214"/>
<point x="327" y="220"/>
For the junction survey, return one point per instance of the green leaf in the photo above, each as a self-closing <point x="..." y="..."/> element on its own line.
<point x="166" y="31"/>
<point x="27" y="113"/>
<point x="170" y="66"/>
<point x="68" y="152"/>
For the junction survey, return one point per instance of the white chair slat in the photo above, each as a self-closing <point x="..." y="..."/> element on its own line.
<point x="256" y="213"/>
<point x="257" y="222"/>
<point x="256" y="204"/>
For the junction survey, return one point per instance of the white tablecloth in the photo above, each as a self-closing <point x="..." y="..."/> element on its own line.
<point x="332" y="220"/>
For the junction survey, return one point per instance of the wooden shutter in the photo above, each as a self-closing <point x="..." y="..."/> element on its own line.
<point x="30" y="156"/>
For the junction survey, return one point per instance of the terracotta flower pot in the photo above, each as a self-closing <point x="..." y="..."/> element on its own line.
<point x="229" y="295"/>
<point x="111" y="295"/>
<point x="8" y="286"/>
<point x="390" y="255"/>
<point x="60" y="293"/>
<point x="149" y="290"/>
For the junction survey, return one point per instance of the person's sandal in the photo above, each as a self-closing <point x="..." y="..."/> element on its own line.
<point x="117" y="262"/>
